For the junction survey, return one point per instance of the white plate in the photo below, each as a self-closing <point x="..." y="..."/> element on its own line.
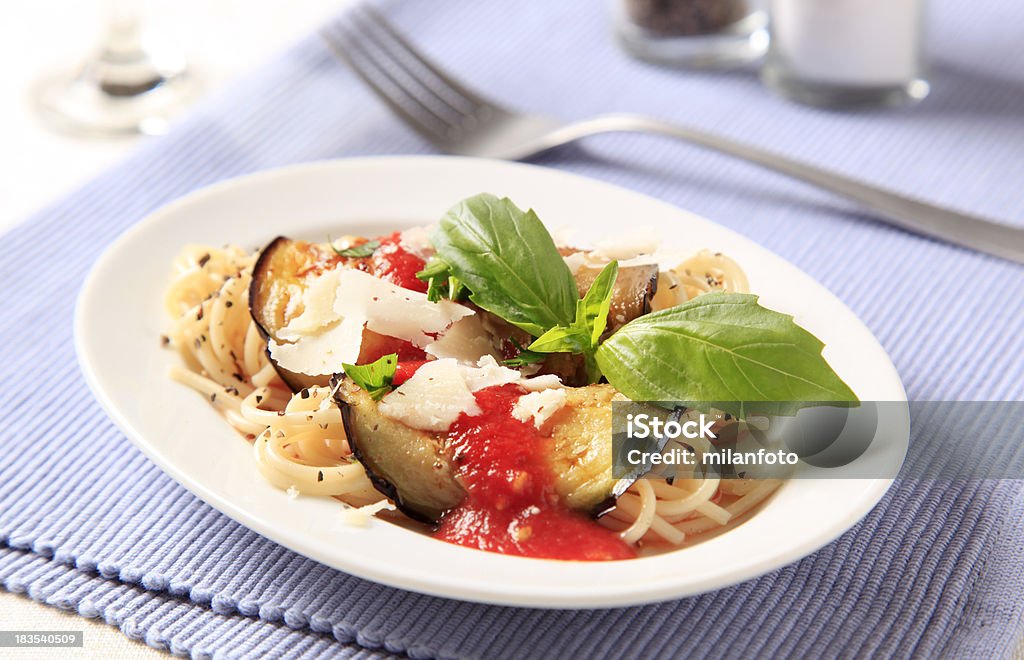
<point x="120" y="317"/>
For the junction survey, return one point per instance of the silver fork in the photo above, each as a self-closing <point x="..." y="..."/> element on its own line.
<point x="457" y="120"/>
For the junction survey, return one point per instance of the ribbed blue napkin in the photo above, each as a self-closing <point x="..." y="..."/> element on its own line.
<point x="87" y="523"/>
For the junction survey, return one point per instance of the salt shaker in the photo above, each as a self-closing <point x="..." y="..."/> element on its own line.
<point x="843" y="53"/>
<point x="697" y="33"/>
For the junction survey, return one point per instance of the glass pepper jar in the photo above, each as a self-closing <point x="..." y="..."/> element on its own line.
<point x="694" y="33"/>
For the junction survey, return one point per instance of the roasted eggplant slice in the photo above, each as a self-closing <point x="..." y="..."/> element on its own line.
<point x="280" y="275"/>
<point x="409" y="466"/>
<point x="414" y="468"/>
<point x="581" y="451"/>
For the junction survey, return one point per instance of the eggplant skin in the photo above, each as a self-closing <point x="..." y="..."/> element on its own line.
<point x="415" y="470"/>
<point x="409" y="466"/>
<point x="278" y="270"/>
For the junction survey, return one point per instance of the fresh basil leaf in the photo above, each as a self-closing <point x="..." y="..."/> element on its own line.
<point x="375" y="377"/>
<point x="562" y="339"/>
<point x="365" y="249"/>
<point x="508" y="261"/>
<point x="592" y="315"/>
<point x="719" y="347"/>
<point x="524" y="357"/>
<point x="434" y="268"/>
<point x="592" y="309"/>
<point x="440" y="281"/>
<point x="436" y="291"/>
<point x="435" y="273"/>
<point x="456" y="289"/>
<point x="591" y="319"/>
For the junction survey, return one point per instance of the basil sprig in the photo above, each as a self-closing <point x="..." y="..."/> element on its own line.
<point x="508" y="261"/>
<point x="584" y="333"/>
<point x="523" y="357"/>
<point x="375" y="377"/>
<point x="440" y="281"/>
<point x="719" y="347"/>
<point x="364" y="249"/>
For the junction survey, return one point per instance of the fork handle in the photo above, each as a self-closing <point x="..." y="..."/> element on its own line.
<point x="899" y="210"/>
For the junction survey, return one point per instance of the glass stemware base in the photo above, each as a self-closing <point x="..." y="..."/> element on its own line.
<point x="117" y="92"/>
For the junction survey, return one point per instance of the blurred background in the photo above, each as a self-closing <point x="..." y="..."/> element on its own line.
<point x="220" y="37"/>
<point x="894" y="45"/>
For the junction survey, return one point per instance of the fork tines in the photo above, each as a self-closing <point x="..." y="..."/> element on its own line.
<point x="428" y="99"/>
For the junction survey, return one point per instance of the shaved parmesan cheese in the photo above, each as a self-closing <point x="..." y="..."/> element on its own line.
<point x="575" y="261"/>
<point x="335" y="307"/>
<point x="322" y="354"/>
<point x="642" y="241"/>
<point x="488" y="373"/>
<point x="294" y="301"/>
<point x="539" y="406"/>
<point x="417" y="241"/>
<point x="538" y="383"/>
<point x="392" y="310"/>
<point x="432" y="399"/>
<point x="466" y="341"/>
<point x="356" y="517"/>
<point x="360" y="516"/>
<point x="563" y="235"/>
<point x="642" y="260"/>
<point x="317" y="307"/>
<point x="441" y="390"/>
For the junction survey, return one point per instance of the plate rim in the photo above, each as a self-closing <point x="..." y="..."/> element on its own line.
<point x="394" y="576"/>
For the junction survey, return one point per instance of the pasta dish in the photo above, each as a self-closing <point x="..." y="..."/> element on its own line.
<point x="463" y="376"/>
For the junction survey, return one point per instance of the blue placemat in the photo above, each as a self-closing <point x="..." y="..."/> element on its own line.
<point x="87" y="523"/>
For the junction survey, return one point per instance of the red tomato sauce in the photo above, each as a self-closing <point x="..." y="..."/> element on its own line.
<point x="390" y="261"/>
<point x="512" y="506"/>
<point x="394" y="263"/>
<point x="375" y="346"/>
<point x="316" y="259"/>
<point x="405" y="370"/>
